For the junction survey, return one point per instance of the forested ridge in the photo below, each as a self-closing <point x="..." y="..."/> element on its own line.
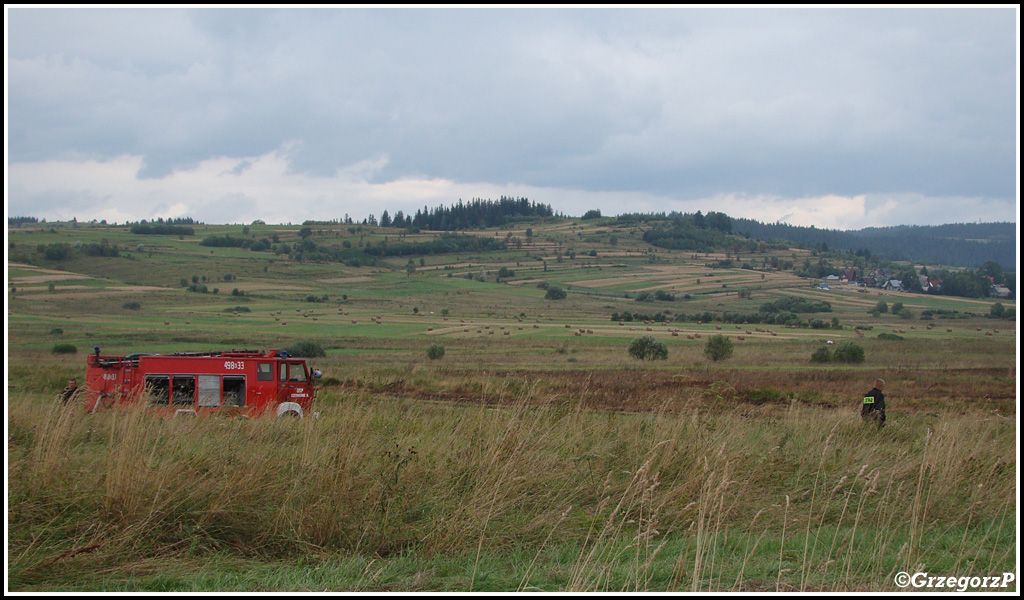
<point x="955" y="245"/>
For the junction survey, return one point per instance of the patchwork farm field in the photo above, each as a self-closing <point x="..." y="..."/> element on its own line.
<point x="535" y="454"/>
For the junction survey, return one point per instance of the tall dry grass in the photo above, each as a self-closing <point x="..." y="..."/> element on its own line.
<point x="801" y="499"/>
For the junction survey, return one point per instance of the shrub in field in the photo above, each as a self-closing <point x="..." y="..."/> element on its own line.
<point x="821" y="355"/>
<point x="306" y="349"/>
<point x="131" y="305"/>
<point x="435" y="351"/>
<point x="555" y="293"/>
<point x="648" y="348"/>
<point x="56" y="331"/>
<point x="890" y="336"/>
<point x="849" y="352"/>
<point x="64" y="349"/>
<point x="718" y="348"/>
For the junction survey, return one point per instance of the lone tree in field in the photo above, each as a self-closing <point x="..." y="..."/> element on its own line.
<point x="718" y="348"/>
<point x="555" y="293"/>
<point x="648" y="348"/>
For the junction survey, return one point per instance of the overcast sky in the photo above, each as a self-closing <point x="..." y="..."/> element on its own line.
<point x="840" y="118"/>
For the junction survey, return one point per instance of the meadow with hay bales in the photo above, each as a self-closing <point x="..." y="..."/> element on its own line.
<point x="477" y="433"/>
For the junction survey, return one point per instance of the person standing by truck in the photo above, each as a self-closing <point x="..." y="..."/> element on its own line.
<point x="69" y="392"/>
<point x="873" y="406"/>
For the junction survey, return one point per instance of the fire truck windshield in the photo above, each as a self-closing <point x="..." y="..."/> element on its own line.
<point x="293" y="372"/>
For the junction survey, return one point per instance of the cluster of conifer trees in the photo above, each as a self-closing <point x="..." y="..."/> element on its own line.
<point x="474" y="214"/>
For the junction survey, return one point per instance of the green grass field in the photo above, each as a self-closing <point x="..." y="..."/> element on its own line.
<point x="536" y="455"/>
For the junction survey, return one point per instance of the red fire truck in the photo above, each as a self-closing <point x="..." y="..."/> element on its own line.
<point x="242" y="382"/>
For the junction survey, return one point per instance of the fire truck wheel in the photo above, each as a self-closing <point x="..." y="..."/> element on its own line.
<point x="289" y="409"/>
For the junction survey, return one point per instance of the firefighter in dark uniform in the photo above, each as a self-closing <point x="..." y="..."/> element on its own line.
<point x="873" y="407"/>
<point x="69" y="391"/>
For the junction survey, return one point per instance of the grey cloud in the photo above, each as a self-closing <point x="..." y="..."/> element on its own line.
<point x="680" y="102"/>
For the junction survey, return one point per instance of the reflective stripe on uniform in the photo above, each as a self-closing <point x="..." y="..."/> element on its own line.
<point x="869" y="399"/>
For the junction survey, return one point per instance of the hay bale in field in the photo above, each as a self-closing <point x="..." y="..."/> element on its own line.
<point x="675" y="334"/>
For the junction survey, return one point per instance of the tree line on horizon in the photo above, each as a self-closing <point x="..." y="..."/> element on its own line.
<point x="475" y="214"/>
<point x="955" y="245"/>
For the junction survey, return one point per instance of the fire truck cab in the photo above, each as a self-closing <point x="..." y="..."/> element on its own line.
<point x="237" y="382"/>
